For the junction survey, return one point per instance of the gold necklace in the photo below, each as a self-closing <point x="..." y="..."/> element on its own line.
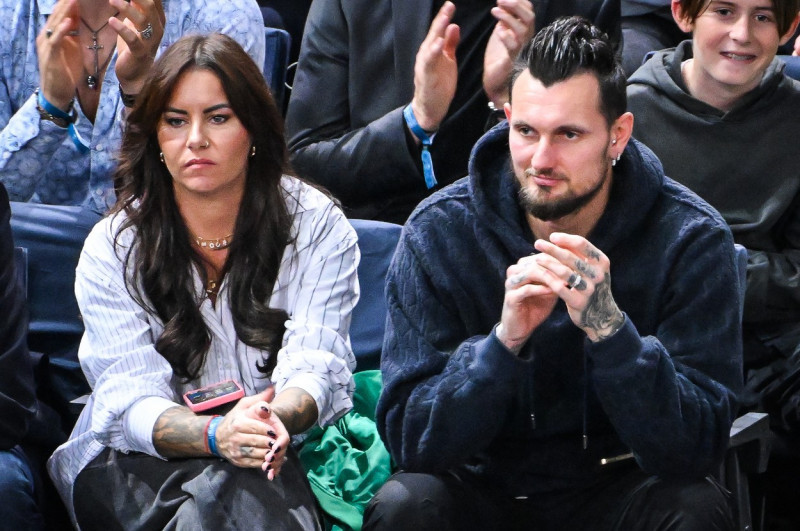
<point x="215" y="244"/>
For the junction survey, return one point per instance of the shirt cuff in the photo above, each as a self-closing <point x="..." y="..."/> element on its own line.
<point x="139" y="422"/>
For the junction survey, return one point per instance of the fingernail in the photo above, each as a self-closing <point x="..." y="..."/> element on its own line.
<point x="271" y="459"/>
<point x="265" y="408"/>
<point x="277" y="449"/>
<point x="271" y="433"/>
<point x="271" y="443"/>
<point x="269" y="467"/>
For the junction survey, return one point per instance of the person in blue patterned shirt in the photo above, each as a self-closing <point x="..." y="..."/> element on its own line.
<point x="57" y="145"/>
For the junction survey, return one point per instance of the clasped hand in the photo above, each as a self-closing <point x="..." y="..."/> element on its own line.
<point x="568" y="267"/>
<point x="251" y="435"/>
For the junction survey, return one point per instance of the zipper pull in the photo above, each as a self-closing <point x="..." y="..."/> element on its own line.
<point x="533" y="421"/>
<point x="585" y="441"/>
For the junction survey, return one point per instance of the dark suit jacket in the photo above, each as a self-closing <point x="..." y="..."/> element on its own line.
<point x="344" y="125"/>
<point x="17" y="397"/>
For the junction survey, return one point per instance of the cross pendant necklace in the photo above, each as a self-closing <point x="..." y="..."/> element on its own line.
<point x="92" y="79"/>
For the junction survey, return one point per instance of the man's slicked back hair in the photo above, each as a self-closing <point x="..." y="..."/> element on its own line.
<point x="570" y="46"/>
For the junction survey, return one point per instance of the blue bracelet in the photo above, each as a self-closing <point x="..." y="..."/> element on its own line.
<point x="212" y="435"/>
<point x="70" y="119"/>
<point x="427" y="140"/>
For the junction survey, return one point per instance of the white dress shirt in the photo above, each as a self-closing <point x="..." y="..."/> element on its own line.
<point x="133" y="384"/>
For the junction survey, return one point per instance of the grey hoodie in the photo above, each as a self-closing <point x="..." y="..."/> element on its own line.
<point x="744" y="162"/>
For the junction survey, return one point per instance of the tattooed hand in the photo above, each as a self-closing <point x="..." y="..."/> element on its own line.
<point x="243" y="438"/>
<point x="293" y="411"/>
<point x="579" y="274"/>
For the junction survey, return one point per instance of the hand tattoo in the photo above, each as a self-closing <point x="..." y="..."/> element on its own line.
<point x="601" y="314"/>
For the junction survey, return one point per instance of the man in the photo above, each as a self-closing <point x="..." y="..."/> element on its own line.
<point x="605" y="394"/>
<point x="68" y="68"/>
<point x="371" y="73"/>
<point x="721" y="115"/>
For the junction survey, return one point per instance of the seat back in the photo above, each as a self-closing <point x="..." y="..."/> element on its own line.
<point x="376" y="241"/>
<point x="276" y="61"/>
<point x="50" y="239"/>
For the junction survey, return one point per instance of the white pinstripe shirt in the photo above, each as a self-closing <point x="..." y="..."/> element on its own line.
<point x="133" y="384"/>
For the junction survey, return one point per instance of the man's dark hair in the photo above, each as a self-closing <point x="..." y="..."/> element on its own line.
<point x="571" y="46"/>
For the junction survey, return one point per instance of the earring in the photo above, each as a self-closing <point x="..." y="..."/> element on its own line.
<point x="614" y="142"/>
<point x="161" y="156"/>
<point x="253" y="150"/>
<point x="616" y="159"/>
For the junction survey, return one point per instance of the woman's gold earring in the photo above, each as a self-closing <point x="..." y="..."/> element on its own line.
<point x="161" y="156"/>
<point x="253" y="150"/>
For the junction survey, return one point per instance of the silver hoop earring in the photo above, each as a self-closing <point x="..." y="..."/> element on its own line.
<point x="161" y="156"/>
<point x="616" y="159"/>
<point x="253" y="150"/>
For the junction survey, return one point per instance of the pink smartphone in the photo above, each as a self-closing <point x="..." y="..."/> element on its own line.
<point x="213" y="395"/>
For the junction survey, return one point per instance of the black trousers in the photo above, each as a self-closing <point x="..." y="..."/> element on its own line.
<point x="626" y="500"/>
<point x="137" y="491"/>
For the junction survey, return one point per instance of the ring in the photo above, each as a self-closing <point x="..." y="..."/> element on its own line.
<point x="48" y="33"/>
<point x="147" y="32"/>
<point x="573" y="280"/>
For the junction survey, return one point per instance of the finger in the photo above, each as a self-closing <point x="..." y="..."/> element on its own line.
<point x="439" y="23"/>
<point x="135" y="11"/>
<point x="450" y="42"/>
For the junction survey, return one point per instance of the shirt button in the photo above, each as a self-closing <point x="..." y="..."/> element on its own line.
<point x="99" y="191"/>
<point x="99" y="147"/>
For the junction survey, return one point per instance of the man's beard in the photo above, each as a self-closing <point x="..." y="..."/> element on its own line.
<point x="550" y="209"/>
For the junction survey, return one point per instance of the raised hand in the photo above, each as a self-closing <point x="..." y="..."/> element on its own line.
<point x="436" y="70"/>
<point x="515" y="26"/>
<point x="59" y="52"/>
<point x="528" y="302"/>
<point x="579" y="274"/>
<point x="139" y="34"/>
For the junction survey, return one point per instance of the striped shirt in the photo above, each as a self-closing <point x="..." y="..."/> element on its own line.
<point x="133" y="384"/>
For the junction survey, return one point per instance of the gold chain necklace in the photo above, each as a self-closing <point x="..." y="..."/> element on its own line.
<point x="214" y="244"/>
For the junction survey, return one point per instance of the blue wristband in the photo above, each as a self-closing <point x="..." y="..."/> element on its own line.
<point x="70" y="119"/>
<point x="427" y="140"/>
<point x="212" y="435"/>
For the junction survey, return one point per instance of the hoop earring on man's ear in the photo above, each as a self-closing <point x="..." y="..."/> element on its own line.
<point x="161" y="156"/>
<point x="616" y="159"/>
<point x="253" y="150"/>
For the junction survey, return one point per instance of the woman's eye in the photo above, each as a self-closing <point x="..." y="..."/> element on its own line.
<point x="219" y="118"/>
<point x="174" y="122"/>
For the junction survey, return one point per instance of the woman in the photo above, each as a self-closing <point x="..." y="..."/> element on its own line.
<point x="64" y="65"/>
<point x="213" y="266"/>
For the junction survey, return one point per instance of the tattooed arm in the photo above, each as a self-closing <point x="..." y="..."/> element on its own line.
<point x="244" y="437"/>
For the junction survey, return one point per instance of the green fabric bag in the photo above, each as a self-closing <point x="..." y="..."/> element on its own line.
<point x="346" y="462"/>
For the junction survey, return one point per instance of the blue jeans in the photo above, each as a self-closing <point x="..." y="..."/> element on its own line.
<point x="18" y="507"/>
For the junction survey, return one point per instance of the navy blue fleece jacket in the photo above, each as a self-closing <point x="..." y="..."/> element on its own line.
<point x="662" y="387"/>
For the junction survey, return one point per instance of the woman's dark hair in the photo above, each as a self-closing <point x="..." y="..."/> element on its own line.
<point x="571" y="46"/>
<point x="785" y="12"/>
<point x="161" y="260"/>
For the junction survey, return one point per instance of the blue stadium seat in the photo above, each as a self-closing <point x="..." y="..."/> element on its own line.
<point x="275" y="63"/>
<point x="376" y="241"/>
